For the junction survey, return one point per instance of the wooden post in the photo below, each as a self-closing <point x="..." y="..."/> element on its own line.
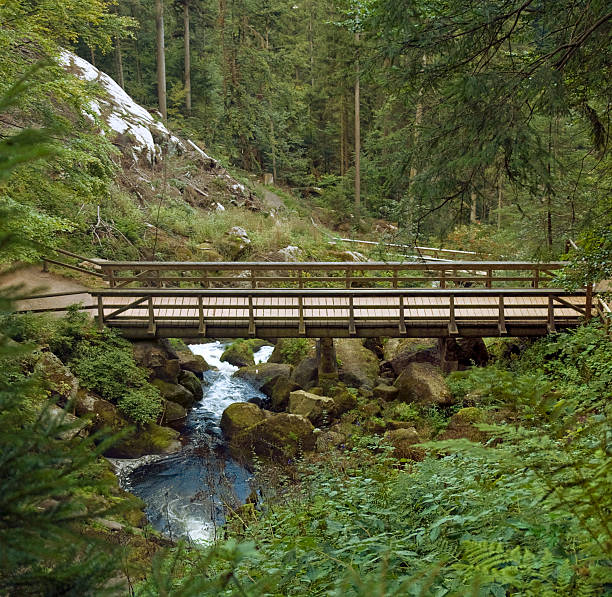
<point x="201" y="324"/>
<point x="443" y="278"/>
<point x="300" y="279"/>
<point x="111" y="278"/>
<point x="45" y="265"/>
<point x="395" y="274"/>
<point x="402" y="321"/>
<point x="452" y="324"/>
<point x="352" y="329"/>
<point x="551" y="315"/>
<point x="100" y="313"/>
<point x="151" y="328"/>
<point x="301" y="324"/>
<point x="501" y="322"/>
<point x="489" y="278"/>
<point x="535" y="283"/>
<point x="348" y="278"/>
<point x="589" y="302"/>
<point x="251" y="317"/>
<point x="253" y="280"/>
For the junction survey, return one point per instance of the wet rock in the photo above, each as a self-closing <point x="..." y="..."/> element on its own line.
<point x="57" y="378"/>
<point x="358" y="365"/>
<point x="315" y="408"/>
<point x="150" y="439"/>
<point x="174" y="415"/>
<point x="188" y="361"/>
<point x="258" y="375"/>
<point x="239" y="354"/>
<point x="385" y="392"/>
<point x="306" y="374"/>
<point x="193" y="383"/>
<point x="279" y="437"/>
<point x="175" y="392"/>
<point x="423" y="383"/>
<point x="403" y="441"/>
<point x="240" y="416"/>
<point x="261" y="402"/>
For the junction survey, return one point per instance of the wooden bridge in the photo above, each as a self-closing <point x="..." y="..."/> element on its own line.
<point x="342" y="299"/>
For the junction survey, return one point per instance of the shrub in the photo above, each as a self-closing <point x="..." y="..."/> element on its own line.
<point x="142" y="405"/>
<point x="293" y="350"/>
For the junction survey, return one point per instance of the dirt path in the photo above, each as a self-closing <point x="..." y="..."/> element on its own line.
<point x="271" y="200"/>
<point x="32" y="280"/>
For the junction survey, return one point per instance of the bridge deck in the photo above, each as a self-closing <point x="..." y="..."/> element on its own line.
<point x="280" y="313"/>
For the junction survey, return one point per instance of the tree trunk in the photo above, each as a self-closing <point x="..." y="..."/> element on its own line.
<point x="119" y="63"/>
<point x="187" y="58"/>
<point x="499" y="202"/>
<point x="342" y="137"/>
<point x="357" y="131"/>
<point x="161" y="59"/>
<point x="473" y="212"/>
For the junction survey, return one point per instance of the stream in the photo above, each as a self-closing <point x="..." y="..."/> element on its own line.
<point x="186" y="493"/>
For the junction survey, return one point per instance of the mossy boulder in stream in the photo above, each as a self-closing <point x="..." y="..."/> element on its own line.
<point x="241" y="353"/>
<point x="280" y="437"/>
<point x="175" y="392"/>
<point x="240" y="416"/>
<point x="188" y="361"/>
<point x="193" y="383"/>
<point x="149" y="439"/>
<point x="174" y="415"/>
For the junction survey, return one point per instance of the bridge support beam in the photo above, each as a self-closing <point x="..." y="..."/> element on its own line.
<point x="327" y="363"/>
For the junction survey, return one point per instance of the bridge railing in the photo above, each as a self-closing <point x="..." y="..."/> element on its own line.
<point x="449" y="274"/>
<point x="351" y="310"/>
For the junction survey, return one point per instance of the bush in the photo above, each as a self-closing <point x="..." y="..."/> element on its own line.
<point x="142" y="405"/>
<point x="293" y="350"/>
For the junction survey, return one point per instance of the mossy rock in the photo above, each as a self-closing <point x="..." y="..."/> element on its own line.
<point x="279" y="437"/>
<point x="306" y="373"/>
<point x="385" y="392"/>
<point x="150" y="439"/>
<point x="174" y="415"/>
<point x="343" y="400"/>
<point x="193" y="383"/>
<point x="260" y="374"/>
<point x="240" y="416"/>
<point x="292" y="350"/>
<point x="278" y="390"/>
<point x="57" y="378"/>
<point x="359" y="366"/>
<point x="403" y="442"/>
<point x="175" y="392"/>
<point x="463" y="425"/>
<point x="188" y="361"/>
<point x="239" y="354"/>
<point x="315" y="408"/>
<point x="423" y="383"/>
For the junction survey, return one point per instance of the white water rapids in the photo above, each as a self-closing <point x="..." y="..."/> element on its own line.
<point x="186" y="493"/>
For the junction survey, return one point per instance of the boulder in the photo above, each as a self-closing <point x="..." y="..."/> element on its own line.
<point x="343" y="400"/>
<point x="193" y="383"/>
<point x="306" y="373"/>
<point x="423" y="383"/>
<point x="461" y="353"/>
<point x="403" y="359"/>
<point x="358" y="365"/>
<point x="53" y="415"/>
<point x="278" y="390"/>
<point x="315" y="408"/>
<point x="175" y="393"/>
<point x="155" y="357"/>
<point x="240" y="416"/>
<point x="393" y="347"/>
<point x="235" y="243"/>
<point x="57" y="378"/>
<point x="463" y="425"/>
<point x="328" y="440"/>
<point x="150" y="439"/>
<point x="403" y="441"/>
<point x="174" y="415"/>
<point x="385" y="392"/>
<point x="239" y="354"/>
<point x="188" y="361"/>
<point x="260" y="374"/>
<point x="280" y="437"/>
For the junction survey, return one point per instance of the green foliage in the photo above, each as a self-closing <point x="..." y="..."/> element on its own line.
<point x="294" y="350"/>
<point x="141" y="405"/>
<point x="403" y="411"/>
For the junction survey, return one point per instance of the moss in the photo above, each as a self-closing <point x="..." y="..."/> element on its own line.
<point x="239" y="354"/>
<point x="471" y="414"/>
<point x="152" y="439"/>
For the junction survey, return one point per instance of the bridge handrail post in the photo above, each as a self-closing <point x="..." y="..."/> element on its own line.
<point x="551" y="315"/>
<point x="501" y="324"/>
<point x="589" y="302"/>
<point x="251" y="316"/>
<point x="100" y="313"/>
<point x="535" y="282"/>
<point x="151" y="329"/>
<point x="452" y="324"/>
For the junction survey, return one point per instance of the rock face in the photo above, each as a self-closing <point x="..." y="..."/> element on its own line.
<point x="358" y="365"/>
<point x="57" y="378"/>
<point x="403" y="441"/>
<point x="260" y="374"/>
<point x="315" y="408"/>
<point x="239" y="416"/>
<point x="423" y="383"/>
